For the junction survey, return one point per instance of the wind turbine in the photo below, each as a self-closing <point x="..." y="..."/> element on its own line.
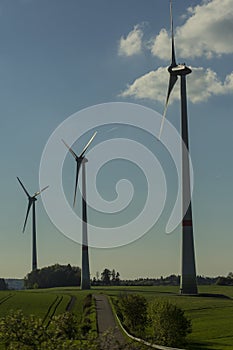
<point x="81" y="160"/>
<point x="188" y="283"/>
<point x="31" y="203"/>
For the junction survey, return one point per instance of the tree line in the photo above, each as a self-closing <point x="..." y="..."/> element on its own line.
<point x="225" y="281"/>
<point x="172" y="280"/>
<point x="53" y="276"/>
<point x="67" y="275"/>
<point x="107" y="278"/>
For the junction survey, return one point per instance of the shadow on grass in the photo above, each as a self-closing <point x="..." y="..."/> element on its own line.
<point x="122" y="289"/>
<point x="125" y="289"/>
<point x="201" y="346"/>
<point x="214" y="295"/>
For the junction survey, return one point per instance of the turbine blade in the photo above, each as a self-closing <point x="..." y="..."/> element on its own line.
<point x="70" y="149"/>
<point x="173" y="63"/>
<point x="88" y="144"/>
<point x="28" y="210"/>
<point x="79" y="162"/>
<point x="23" y="187"/>
<point x="172" y="82"/>
<point x="39" y="192"/>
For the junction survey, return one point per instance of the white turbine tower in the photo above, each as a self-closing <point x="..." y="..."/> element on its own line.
<point x="188" y="283"/>
<point x="81" y="160"/>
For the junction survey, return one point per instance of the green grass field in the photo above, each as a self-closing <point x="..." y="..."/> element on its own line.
<point x="212" y="317"/>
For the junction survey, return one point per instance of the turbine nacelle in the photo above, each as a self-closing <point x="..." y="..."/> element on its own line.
<point x="83" y="160"/>
<point x="31" y="200"/>
<point x="179" y="69"/>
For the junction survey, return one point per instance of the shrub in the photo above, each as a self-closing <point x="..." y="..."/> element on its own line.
<point x="87" y="302"/>
<point x="134" y="312"/>
<point x="169" y="324"/>
<point x="18" y="331"/>
<point x="65" y="326"/>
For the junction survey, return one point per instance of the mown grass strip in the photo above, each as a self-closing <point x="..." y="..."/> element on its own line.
<point x="49" y="309"/>
<point x="56" y="304"/>
<point x="4" y="299"/>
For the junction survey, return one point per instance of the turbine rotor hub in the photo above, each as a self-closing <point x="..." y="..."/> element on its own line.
<point x="84" y="160"/>
<point x="179" y="69"/>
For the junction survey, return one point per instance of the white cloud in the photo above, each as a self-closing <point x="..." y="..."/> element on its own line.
<point x="132" y="44"/>
<point x="201" y="85"/>
<point x="206" y="32"/>
<point x="206" y="84"/>
<point x="150" y="86"/>
<point x="161" y="45"/>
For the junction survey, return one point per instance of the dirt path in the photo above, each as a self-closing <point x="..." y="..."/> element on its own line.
<point x="106" y="319"/>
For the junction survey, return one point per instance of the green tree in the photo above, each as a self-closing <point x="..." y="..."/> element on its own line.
<point x="3" y="284"/>
<point x="134" y="312"/>
<point x="105" y="276"/>
<point x="113" y="273"/>
<point x="224" y="281"/>
<point x="54" y="276"/>
<point x="169" y="324"/>
<point x="117" y="280"/>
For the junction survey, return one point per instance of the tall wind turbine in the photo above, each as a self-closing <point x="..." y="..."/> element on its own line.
<point x="31" y="203"/>
<point x="188" y="284"/>
<point x="81" y="160"/>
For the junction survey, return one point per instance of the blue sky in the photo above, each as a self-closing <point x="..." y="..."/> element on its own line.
<point x="58" y="57"/>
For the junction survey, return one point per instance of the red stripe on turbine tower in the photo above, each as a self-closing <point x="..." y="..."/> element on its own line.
<point x="187" y="223"/>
